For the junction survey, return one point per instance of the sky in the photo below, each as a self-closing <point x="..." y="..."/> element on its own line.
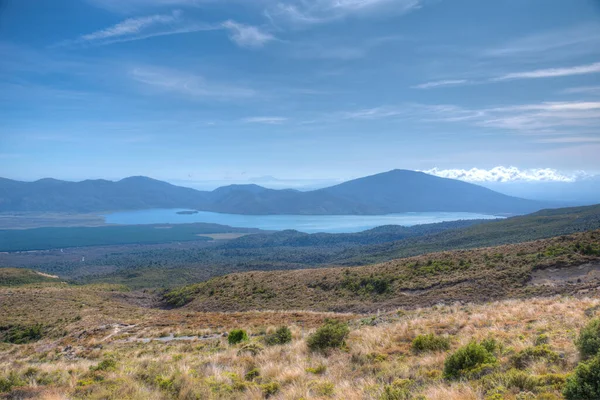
<point x="299" y="92"/>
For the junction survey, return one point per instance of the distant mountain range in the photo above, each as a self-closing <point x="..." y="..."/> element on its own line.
<point x="389" y="192"/>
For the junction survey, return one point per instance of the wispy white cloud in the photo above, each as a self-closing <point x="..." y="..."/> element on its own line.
<point x="140" y="28"/>
<point x="507" y="174"/>
<point x="132" y="26"/>
<point x="146" y="27"/>
<point x="169" y="80"/>
<point x="561" y="43"/>
<point x="551" y="72"/>
<point x="434" y="84"/>
<point x="583" y="89"/>
<point x="320" y="11"/>
<point x="552" y="120"/>
<point x="265" y="120"/>
<point x="247" y="35"/>
<point x="374" y="113"/>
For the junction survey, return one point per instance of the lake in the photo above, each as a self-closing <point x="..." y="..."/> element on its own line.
<point x="303" y="223"/>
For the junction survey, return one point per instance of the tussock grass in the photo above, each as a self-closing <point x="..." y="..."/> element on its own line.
<point x="377" y="361"/>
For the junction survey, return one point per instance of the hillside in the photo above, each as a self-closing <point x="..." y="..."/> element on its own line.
<point x="565" y="264"/>
<point x="177" y="263"/>
<point x="395" y="191"/>
<point x="538" y="225"/>
<point x="21" y="276"/>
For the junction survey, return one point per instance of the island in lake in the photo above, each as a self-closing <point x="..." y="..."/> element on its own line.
<point x="187" y="212"/>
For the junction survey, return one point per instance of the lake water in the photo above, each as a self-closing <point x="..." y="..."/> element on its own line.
<point x="303" y="223"/>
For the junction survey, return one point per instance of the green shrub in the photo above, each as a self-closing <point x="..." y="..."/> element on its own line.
<point x="322" y="389"/>
<point x="11" y="381"/>
<point x="397" y="390"/>
<point x="237" y="336"/>
<point x="542" y="339"/>
<point x="469" y="361"/>
<point x="584" y="384"/>
<point x="318" y="370"/>
<point x="588" y="342"/>
<point x="250" y="348"/>
<point x="282" y="335"/>
<point x="366" y="285"/>
<point x="108" y="364"/>
<point x="23" y="334"/>
<point x="252" y="374"/>
<point x="521" y="380"/>
<point x="523" y="358"/>
<point x="332" y="334"/>
<point x="491" y="345"/>
<point x="269" y="389"/>
<point x="431" y="342"/>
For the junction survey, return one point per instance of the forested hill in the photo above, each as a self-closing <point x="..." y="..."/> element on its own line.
<point x="390" y="192"/>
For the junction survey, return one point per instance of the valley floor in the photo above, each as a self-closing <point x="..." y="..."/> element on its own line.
<point x="100" y="348"/>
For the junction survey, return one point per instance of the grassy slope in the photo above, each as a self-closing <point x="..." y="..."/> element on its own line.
<point x="377" y="359"/>
<point x="540" y="225"/>
<point x="467" y="275"/>
<point x="20" y="276"/>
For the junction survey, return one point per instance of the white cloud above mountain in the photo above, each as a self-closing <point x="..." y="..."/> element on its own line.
<point x="507" y="174"/>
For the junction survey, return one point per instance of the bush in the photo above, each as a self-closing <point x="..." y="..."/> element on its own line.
<point x="491" y="345"/>
<point x="105" y="365"/>
<point x="588" y="342"/>
<point x="332" y="334"/>
<point x="318" y="370"/>
<point x="521" y="380"/>
<point x="237" y="336"/>
<point x="542" y="339"/>
<point x="252" y="374"/>
<point x="23" y="334"/>
<point x="397" y="390"/>
<point x="269" y="389"/>
<point x="585" y="382"/>
<point x="323" y="388"/>
<point x="423" y="343"/>
<point x="250" y="348"/>
<point x="282" y="335"/>
<point x="11" y="381"/>
<point x="523" y="358"/>
<point x="468" y="361"/>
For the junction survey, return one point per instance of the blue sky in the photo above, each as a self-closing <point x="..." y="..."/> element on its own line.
<point x="302" y="90"/>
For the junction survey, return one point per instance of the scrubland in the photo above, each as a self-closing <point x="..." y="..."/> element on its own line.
<point x="531" y="341"/>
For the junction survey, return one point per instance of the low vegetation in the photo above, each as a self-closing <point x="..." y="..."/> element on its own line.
<point x="237" y="336"/>
<point x="282" y="335"/>
<point x="23" y="276"/>
<point x="588" y="342"/>
<point x="470" y="361"/>
<point x="540" y="268"/>
<point x="331" y="335"/>
<point x="431" y="342"/>
<point x="465" y="351"/>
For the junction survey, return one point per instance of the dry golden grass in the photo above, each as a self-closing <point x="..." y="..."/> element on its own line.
<point x="377" y="361"/>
